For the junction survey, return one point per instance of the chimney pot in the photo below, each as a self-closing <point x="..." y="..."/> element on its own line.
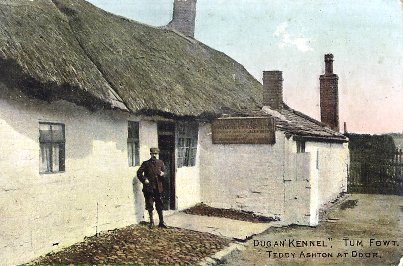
<point x="273" y="89"/>
<point x="328" y="64"/>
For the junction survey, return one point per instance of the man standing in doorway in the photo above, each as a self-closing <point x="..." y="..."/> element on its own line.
<point x="151" y="173"/>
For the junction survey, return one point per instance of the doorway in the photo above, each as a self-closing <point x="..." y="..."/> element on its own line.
<point x="166" y="144"/>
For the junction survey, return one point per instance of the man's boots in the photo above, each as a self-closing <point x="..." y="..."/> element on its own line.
<point x="151" y="224"/>
<point x="161" y="217"/>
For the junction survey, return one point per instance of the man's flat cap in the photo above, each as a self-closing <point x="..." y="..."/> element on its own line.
<point x="154" y="150"/>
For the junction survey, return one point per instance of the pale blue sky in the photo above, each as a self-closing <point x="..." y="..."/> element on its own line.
<point x="366" y="38"/>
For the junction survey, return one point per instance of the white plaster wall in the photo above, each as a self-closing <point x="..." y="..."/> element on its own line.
<point x="330" y="161"/>
<point x="272" y="180"/>
<point x="187" y="187"/>
<point x="314" y="205"/>
<point x="244" y="177"/>
<point x="298" y="189"/>
<point x="148" y="137"/>
<point x="98" y="191"/>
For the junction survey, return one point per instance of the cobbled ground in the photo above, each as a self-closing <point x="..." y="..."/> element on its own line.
<point x="139" y="245"/>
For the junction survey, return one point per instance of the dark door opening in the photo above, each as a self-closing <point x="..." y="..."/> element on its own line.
<point x="166" y="144"/>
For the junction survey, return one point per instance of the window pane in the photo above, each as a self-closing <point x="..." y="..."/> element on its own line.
<point x="188" y="142"/>
<point x="52" y="154"/>
<point x="62" y="157"/>
<point x="45" y="158"/>
<point x="192" y="162"/>
<point x="55" y="158"/>
<point x="186" y="157"/>
<point x="130" y="153"/>
<point x="133" y="147"/>
<point x="43" y="126"/>
<point x="183" y="152"/>
<point x="180" y="162"/>
<point x="45" y="133"/>
<point x="57" y="133"/>
<point x="133" y="130"/>
<point x="137" y="153"/>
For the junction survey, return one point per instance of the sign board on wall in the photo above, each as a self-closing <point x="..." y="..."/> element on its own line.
<point x="244" y="130"/>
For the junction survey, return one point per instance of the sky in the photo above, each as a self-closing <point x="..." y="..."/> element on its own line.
<point x="366" y="38"/>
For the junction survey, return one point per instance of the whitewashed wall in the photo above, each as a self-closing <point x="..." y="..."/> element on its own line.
<point x="331" y="161"/>
<point x="272" y="180"/>
<point x="187" y="186"/>
<point x="99" y="191"/>
<point x="297" y="182"/>
<point x="245" y="177"/>
<point x="42" y="212"/>
<point x="326" y="176"/>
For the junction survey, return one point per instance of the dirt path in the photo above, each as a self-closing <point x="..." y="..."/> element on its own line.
<point x="363" y="230"/>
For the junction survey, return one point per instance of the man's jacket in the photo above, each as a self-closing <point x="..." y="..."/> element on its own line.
<point x="151" y="170"/>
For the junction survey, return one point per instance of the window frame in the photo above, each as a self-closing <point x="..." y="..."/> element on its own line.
<point x="300" y="146"/>
<point x="186" y="142"/>
<point x="61" y="144"/>
<point x="133" y="141"/>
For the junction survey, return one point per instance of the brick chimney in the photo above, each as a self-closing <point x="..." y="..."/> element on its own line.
<point x="184" y="16"/>
<point x="273" y="89"/>
<point x="329" y="95"/>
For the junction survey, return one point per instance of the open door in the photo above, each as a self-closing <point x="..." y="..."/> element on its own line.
<point x="166" y="144"/>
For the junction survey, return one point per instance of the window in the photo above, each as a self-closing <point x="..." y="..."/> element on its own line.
<point x="300" y="146"/>
<point x="133" y="146"/>
<point x="187" y="144"/>
<point x="52" y="143"/>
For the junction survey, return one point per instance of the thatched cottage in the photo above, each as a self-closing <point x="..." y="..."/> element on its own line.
<point x="85" y="94"/>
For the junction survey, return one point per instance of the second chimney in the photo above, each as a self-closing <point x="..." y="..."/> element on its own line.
<point x="273" y="89"/>
<point x="184" y="17"/>
<point x="329" y="95"/>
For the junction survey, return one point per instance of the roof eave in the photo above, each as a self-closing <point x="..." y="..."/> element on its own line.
<point x="319" y="138"/>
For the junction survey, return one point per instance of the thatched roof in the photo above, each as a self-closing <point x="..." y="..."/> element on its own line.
<point x="40" y="53"/>
<point x="73" y="50"/>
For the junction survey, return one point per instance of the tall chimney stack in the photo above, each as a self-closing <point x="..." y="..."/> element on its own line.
<point x="184" y="17"/>
<point x="273" y="89"/>
<point x="329" y="95"/>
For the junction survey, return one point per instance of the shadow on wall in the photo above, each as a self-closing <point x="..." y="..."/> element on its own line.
<point x="138" y="199"/>
<point x="83" y="126"/>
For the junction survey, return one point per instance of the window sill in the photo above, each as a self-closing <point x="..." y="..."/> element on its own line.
<point x="51" y="173"/>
